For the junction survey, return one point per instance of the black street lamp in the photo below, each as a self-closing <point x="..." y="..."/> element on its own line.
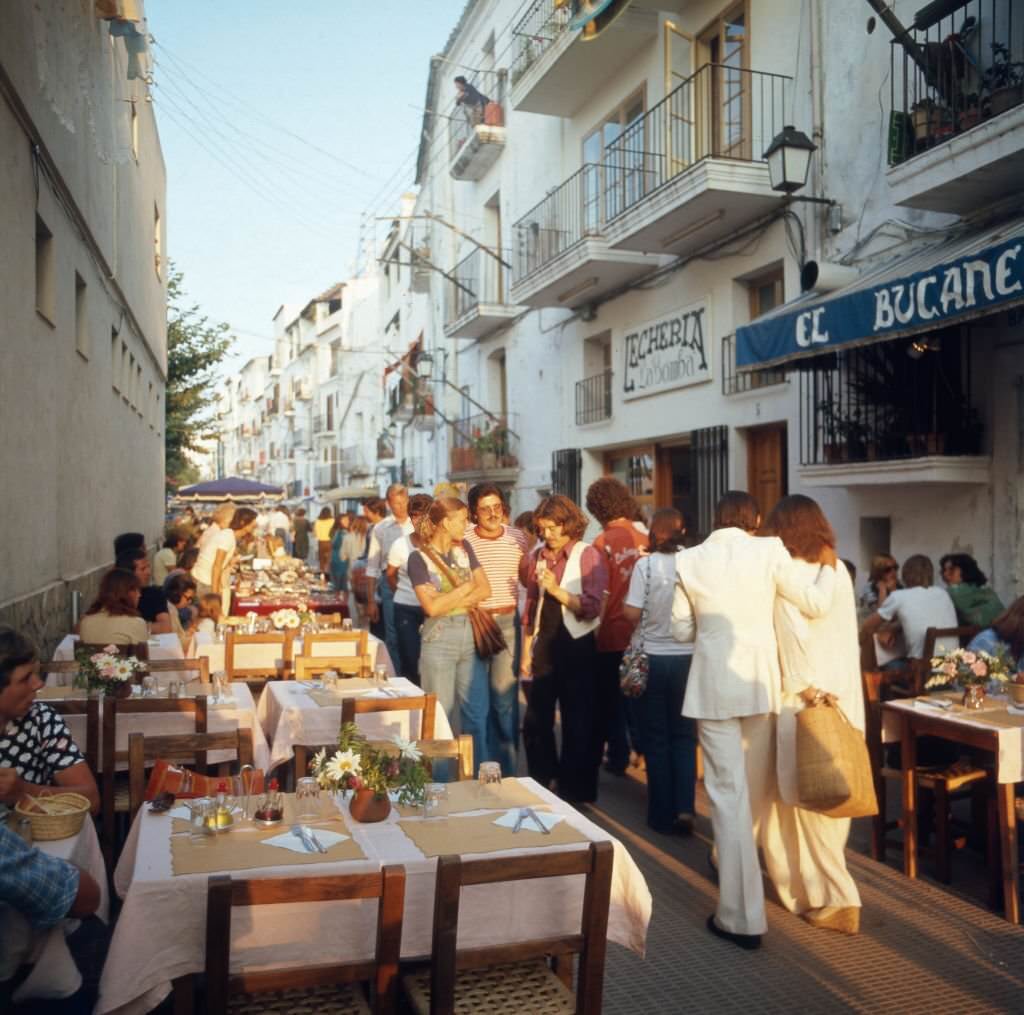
<point x="789" y="159"/>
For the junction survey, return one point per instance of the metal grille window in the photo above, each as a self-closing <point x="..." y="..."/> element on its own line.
<point x="710" y="464"/>
<point x="594" y="398"/>
<point x="735" y="382"/>
<point x="897" y="399"/>
<point x="567" y="473"/>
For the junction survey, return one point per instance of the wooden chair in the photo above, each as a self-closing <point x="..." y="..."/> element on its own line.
<point x="327" y="642"/>
<point x="115" y="800"/>
<point x="187" y="747"/>
<point x="516" y="977"/>
<point x="459" y="750"/>
<point x="138" y="649"/>
<point x="257" y="676"/>
<point x="199" y="668"/>
<point x="333" y="619"/>
<point x="425" y="704"/>
<point x="333" y="987"/>
<point x="309" y="667"/>
<point x="90" y="708"/>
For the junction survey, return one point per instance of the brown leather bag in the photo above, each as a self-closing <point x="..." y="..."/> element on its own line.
<point x="487" y="637"/>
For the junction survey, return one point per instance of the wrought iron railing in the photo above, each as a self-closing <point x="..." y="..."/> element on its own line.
<point x="353" y="460"/>
<point x="482" y="442"/>
<point x="720" y="111"/>
<point x="892" y="400"/>
<point x="541" y="25"/>
<point x="594" y="398"/>
<point x="481" y="278"/>
<point x="571" y="212"/>
<point x="464" y="120"/>
<point x="735" y="382"/>
<point x="567" y="473"/>
<point x="954" y="72"/>
<point x="327" y="476"/>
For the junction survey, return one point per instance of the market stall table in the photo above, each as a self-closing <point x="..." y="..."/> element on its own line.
<point x="324" y="602"/>
<point x="290" y="714"/>
<point x="161" y="932"/>
<point x="268" y="656"/>
<point x="227" y="716"/>
<point x="993" y="729"/>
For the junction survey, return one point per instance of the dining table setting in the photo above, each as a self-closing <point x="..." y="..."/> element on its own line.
<point x="169" y="855"/>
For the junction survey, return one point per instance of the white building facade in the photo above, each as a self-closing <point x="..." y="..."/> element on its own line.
<point x="82" y="305"/>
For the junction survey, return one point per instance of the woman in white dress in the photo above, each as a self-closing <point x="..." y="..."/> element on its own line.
<point x="805" y="851"/>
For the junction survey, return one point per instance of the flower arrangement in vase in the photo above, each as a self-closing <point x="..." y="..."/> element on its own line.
<point x="107" y="671"/>
<point x="282" y="619"/>
<point x="372" y="772"/>
<point x="972" y="671"/>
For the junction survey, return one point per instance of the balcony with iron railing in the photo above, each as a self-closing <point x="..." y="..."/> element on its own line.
<point x="323" y="423"/>
<point x="691" y="169"/>
<point x="956" y="88"/>
<point x="900" y="411"/>
<point x="485" y="445"/>
<point x="478" y="295"/>
<point x="556" y="67"/>
<point x="476" y="139"/>
<point x="326" y="476"/>
<point x="353" y="461"/>
<point x="594" y="398"/>
<point x="736" y="382"/>
<point x="561" y="257"/>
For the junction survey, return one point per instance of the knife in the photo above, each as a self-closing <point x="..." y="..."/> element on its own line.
<point x="519" y="821"/>
<point x="300" y="833"/>
<point x="532" y="814"/>
<point x="313" y="839"/>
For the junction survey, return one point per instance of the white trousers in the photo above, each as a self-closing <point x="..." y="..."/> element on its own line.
<point x="739" y="779"/>
<point x="805" y="856"/>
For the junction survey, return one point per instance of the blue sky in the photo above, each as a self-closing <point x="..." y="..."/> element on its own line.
<point x="257" y="217"/>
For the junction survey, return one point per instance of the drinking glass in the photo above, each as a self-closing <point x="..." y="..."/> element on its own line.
<point x="330" y="678"/>
<point x="489" y="772"/>
<point x="346" y="624"/>
<point x="149" y="686"/>
<point x="200" y="812"/>
<point x="173" y="689"/>
<point x="307" y="798"/>
<point x="434" y="794"/>
<point x="380" y="675"/>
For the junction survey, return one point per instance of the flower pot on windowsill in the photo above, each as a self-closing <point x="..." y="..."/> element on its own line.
<point x="368" y="807"/>
<point x="835" y="453"/>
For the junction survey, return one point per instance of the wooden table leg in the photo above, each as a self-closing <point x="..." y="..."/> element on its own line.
<point x="1008" y="850"/>
<point x="908" y="755"/>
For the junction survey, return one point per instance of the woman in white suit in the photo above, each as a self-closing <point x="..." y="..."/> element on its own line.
<point x="805" y="851"/>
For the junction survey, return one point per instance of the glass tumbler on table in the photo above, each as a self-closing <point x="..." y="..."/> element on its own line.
<point x="149" y="686"/>
<point x="307" y="798"/>
<point x="489" y="773"/>
<point x="434" y="795"/>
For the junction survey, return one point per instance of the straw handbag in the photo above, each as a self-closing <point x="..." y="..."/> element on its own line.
<point x="833" y="768"/>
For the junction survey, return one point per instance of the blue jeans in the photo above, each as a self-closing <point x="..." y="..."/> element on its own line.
<point x="669" y="739"/>
<point x="408" y="620"/>
<point x="448" y="668"/>
<point x="387" y="615"/>
<point x="499" y="675"/>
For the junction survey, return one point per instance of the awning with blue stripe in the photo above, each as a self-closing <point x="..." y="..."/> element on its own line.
<point x="970" y="275"/>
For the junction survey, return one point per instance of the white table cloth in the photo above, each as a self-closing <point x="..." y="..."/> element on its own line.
<point x="267" y="655"/>
<point x="1009" y="757"/>
<point x="219" y="717"/>
<point x="161" y="932"/>
<point x="290" y="716"/>
<point x="84" y="851"/>
<point x="161" y="646"/>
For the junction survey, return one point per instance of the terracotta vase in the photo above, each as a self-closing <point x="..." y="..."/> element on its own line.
<point x="124" y="690"/>
<point x="974" y="696"/>
<point x="367" y="806"/>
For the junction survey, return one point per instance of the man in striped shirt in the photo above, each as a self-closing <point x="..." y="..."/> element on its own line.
<point x="499" y="548"/>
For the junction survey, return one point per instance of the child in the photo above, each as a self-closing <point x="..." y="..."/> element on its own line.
<point x="210" y="613"/>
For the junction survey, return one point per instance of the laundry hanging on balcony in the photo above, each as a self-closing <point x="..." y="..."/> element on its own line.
<point x="134" y="35"/>
<point x="972" y="275"/>
<point x="594" y="16"/>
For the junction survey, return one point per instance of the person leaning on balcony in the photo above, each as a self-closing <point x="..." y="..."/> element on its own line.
<point x="113" y="618"/>
<point x="975" y="600"/>
<point x="216" y="548"/>
<point x="448" y="660"/>
<point x="471" y="100"/>
<point x="565" y="586"/>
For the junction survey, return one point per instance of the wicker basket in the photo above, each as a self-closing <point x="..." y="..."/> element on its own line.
<point x="54" y="817"/>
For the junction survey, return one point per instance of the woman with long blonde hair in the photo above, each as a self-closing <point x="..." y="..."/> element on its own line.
<point x="447" y="578"/>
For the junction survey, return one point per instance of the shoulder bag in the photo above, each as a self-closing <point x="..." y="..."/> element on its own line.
<point x="487" y="636"/>
<point x="635" y="666"/>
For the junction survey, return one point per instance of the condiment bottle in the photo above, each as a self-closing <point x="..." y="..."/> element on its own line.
<point x="223" y="816"/>
<point x="271" y="807"/>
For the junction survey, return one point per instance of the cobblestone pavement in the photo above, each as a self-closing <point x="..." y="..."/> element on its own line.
<point x="922" y="947"/>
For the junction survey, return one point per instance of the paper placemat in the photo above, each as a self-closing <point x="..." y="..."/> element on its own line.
<point x="472" y="796"/>
<point x="242" y="848"/>
<point x="995" y="717"/>
<point x="479" y="834"/>
<point x="349" y="689"/>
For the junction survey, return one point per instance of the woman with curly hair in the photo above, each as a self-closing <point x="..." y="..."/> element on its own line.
<point x="805" y="851"/>
<point x="565" y="585"/>
<point x="975" y="600"/>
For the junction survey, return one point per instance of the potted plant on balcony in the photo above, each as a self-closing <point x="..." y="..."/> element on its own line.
<point x="1004" y="80"/>
<point x="932" y="122"/>
<point x="484" y="445"/>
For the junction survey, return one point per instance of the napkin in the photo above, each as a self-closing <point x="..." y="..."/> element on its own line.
<point x="942" y="703"/>
<point x="326" y="838"/>
<point x="1015" y="709"/>
<point x="509" y="819"/>
<point x="180" y="812"/>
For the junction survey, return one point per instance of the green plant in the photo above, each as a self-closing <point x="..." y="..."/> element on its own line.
<point x="1003" y="72"/>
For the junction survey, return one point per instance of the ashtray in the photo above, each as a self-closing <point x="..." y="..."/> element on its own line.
<point x="161" y="803"/>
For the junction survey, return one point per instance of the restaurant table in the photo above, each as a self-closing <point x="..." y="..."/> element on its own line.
<point x="289" y="715"/>
<point x="267" y="655"/>
<point x="991" y="729"/>
<point x="228" y="716"/>
<point x="161" y="646"/>
<point x="265" y="605"/>
<point x="161" y="932"/>
<point x="84" y="851"/>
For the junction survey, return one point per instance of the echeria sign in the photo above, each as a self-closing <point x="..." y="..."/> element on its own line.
<point x="669" y="352"/>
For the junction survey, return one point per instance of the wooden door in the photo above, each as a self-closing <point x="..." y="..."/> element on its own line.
<point x="766" y="465"/>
